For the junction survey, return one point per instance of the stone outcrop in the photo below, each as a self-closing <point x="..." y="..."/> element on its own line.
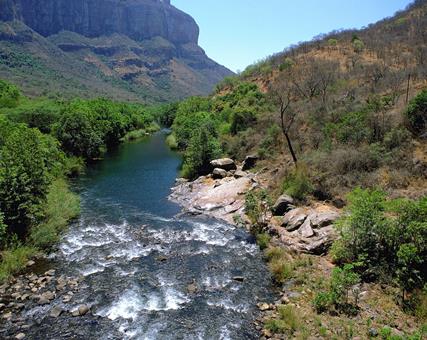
<point x="226" y="164"/>
<point x="137" y="19"/>
<point x="306" y="229"/>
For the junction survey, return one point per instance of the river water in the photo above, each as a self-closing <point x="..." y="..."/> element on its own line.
<point x="148" y="272"/>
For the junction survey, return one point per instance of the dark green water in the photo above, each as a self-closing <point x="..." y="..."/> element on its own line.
<point x="137" y="259"/>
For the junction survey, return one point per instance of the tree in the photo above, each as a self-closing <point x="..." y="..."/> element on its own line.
<point x="202" y="148"/>
<point x="24" y="179"/>
<point x="79" y="134"/>
<point x="416" y="114"/>
<point x="282" y="93"/>
<point x="9" y="95"/>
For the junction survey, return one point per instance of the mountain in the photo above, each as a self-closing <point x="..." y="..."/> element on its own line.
<point x="125" y="49"/>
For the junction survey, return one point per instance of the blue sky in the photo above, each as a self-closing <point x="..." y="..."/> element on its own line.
<point x="237" y="33"/>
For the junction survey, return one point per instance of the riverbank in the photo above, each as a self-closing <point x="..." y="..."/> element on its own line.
<point x="295" y="245"/>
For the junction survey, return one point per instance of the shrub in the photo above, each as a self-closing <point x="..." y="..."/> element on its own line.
<point x="288" y="321"/>
<point x="322" y="302"/>
<point x="341" y="283"/>
<point x="416" y="114"/>
<point x="386" y="238"/>
<point x="257" y="205"/>
<point x="263" y="240"/>
<point x="297" y="184"/>
<point x="9" y="95"/>
<point x="280" y="264"/>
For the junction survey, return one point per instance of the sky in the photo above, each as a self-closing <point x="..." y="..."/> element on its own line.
<point x="237" y="33"/>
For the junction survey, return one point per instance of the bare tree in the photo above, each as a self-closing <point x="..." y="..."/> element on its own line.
<point x="282" y="92"/>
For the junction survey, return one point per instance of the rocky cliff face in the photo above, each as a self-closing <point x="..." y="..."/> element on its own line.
<point x="137" y="19"/>
<point x="148" y="48"/>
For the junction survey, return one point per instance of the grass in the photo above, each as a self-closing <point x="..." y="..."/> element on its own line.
<point x="14" y="260"/>
<point x="280" y="264"/>
<point x="287" y="322"/>
<point x="62" y="206"/>
<point x="263" y="240"/>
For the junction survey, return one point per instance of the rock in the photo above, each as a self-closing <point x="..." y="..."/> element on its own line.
<point x="373" y="332"/>
<point x="249" y="162"/>
<point x="50" y="272"/>
<point x="323" y="219"/>
<point x="48" y="295"/>
<point x="162" y="258"/>
<point x="240" y="173"/>
<point x="30" y="263"/>
<point x="20" y="336"/>
<point x="56" y="312"/>
<point x="226" y="164"/>
<point x="294" y="219"/>
<point x="305" y="229"/>
<point x="192" y="288"/>
<point x="282" y="205"/>
<point x="7" y="316"/>
<point x="263" y="307"/>
<point x="218" y="173"/>
<point x="239" y="278"/>
<point x="83" y="309"/>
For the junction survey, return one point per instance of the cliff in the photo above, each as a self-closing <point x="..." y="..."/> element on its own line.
<point x="145" y="48"/>
<point x="137" y="19"/>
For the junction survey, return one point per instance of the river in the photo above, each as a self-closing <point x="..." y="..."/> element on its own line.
<point x="147" y="271"/>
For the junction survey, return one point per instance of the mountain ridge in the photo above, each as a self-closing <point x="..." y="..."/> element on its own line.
<point x="131" y="50"/>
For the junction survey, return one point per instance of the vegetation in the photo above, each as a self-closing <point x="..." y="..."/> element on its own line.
<point x="43" y="141"/>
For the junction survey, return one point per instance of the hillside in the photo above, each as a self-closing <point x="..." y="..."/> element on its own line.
<point x="147" y="51"/>
<point x="335" y="132"/>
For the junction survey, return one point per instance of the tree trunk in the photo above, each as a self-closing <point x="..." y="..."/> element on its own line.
<point x="291" y="149"/>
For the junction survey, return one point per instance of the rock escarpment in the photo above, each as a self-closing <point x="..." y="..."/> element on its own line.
<point x="137" y="19"/>
<point x="124" y="49"/>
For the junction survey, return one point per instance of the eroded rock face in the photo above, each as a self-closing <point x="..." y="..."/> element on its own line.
<point x="137" y="19"/>
<point x="306" y="229"/>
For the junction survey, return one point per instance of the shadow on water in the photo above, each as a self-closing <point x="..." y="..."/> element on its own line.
<point x="147" y="273"/>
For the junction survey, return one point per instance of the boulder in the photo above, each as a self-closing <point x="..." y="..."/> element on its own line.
<point x="294" y="219"/>
<point x="240" y="174"/>
<point x="249" y="162"/>
<point x="226" y="164"/>
<point x="20" y="336"/>
<point x="283" y="204"/>
<point x="305" y="229"/>
<point x="56" y="312"/>
<point x="83" y="309"/>
<point x="323" y="218"/>
<point x="239" y="278"/>
<point x="218" y="173"/>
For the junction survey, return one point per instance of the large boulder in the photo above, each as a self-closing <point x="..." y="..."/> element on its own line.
<point x="294" y="219"/>
<point x="249" y="162"/>
<point x="283" y="204"/>
<point x="226" y="164"/>
<point x="218" y="173"/>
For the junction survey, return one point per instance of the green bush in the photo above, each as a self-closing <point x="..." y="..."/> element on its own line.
<point x="257" y="204"/>
<point x="340" y="285"/>
<point x="61" y="206"/>
<point x="9" y="95"/>
<point x="263" y="240"/>
<point x="322" y="302"/>
<point x="202" y="148"/>
<point x="416" y="114"/>
<point x="24" y="179"/>
<point x="297" y="184"/>
<point x="385" y="238"/>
